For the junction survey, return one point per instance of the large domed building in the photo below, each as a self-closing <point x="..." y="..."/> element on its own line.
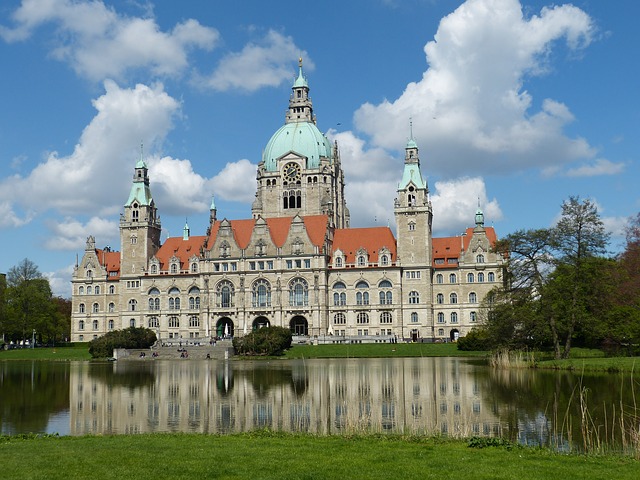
<point x="296" y="263"/>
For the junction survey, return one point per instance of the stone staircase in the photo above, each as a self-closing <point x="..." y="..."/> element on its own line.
<point x="223" y="349"/>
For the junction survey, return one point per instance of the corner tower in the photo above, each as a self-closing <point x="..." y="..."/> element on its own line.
<point x="300" y="171"/>
<point x="139" y="224"/>
<point x="413" y="213"/>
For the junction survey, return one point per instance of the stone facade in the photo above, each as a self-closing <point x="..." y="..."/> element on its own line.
<point x="296" y="263"/>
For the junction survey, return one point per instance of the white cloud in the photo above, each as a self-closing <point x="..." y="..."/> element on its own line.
<point x="455" y="203"/>
<point x="266" y="63"/>
<point x="470" y="109"/>
<point x="234" y="182"/>
<point x="99" y="43"/>
<point x="71" y="234"/>
<point x="60" y="281"/>
<point x="600" y="166"/>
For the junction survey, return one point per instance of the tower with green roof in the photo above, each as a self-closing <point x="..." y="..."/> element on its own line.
<point x="139" y="224"/>
<point x="300" y="171"/>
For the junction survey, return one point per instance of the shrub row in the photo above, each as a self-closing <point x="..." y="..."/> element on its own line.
<point x="132" y="337"/>
<point x="264" y="341"/>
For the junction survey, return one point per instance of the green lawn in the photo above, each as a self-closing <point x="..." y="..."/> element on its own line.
<point x="594" y="364"/>
<point x="286" y="456"/>
<point x="74" y="352"/>
<point x="363" y="350"/>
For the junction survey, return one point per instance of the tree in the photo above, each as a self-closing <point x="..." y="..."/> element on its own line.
<point x="578" y="237"/>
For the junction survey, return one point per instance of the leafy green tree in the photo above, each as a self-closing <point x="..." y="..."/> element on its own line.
<point x="132" y="337"/>
<point x="3" y="308"/>
<point x="578" y="237"/>
<point x="264" y="341"/>
<point x="29" y="296"/>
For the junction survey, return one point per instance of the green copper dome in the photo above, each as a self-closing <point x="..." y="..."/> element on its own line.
<point x="302" y="138"/>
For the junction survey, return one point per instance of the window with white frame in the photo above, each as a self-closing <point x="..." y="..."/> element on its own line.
<point x="414" y="297"/>
<point x="362" y="295"/>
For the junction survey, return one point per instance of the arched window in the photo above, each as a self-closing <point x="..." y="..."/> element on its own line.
<point x="384" y="260"/>
<point x="194" y="298"/>
<point x="194" y="321"/>
<point x="81" y="325"/>
<point x="133" y="305"/>
<point x="174" y="322"/>
<point x="339" y="319"/>
<point x="480" y="258"/>
<point x="110" y="324"/>
<point x="174" y="268"/>
<point x="95" y="324"/>
<point x="439" y="278"/>
<point x="81" y="291"/>
<point x="385" y="317"/>
<point x="261" y="294"/>
<point x="89" y="291"/>
<point x="298" y="292"/>
<point x="132" y="322"/>
<point x="492" y="277"/>
<point x="112" y="307"/>
<point x="81" y="308"/>
<point x="440" y="317"/>
<point x="362" y="260"/>
<point x="414" y="317"/>
<point x="339" y="297"/>
<point x="97" y="290"/>
<point x="112" y="289"/>
<point x="154" y="299"/>
<point x="414" y="297"/>
<point x="225" y="294"/>
<point x="473" y="317"/>
<point x="338" y="262"/>
<point x="440" y="298"/>
<point x="362" y="317"/>
<point x="362" y="296"/>
<point x="454" y="317"/>
<point x="154" y="269"/>
<point x="386" y="295"/>
<point x="174" y="299"/>
<point x="95" y="308"/>
<point x="473" y="298"/>
<point x="453" y="298"/>
<point x="452" y="278"/>
<point x="154" y="322"/>
<point x="470" y="277"/>
<point x="441" y="332"/>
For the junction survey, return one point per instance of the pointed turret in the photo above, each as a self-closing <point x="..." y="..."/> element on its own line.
<point x="213" y="211"/>
<point x="300" y="105"/>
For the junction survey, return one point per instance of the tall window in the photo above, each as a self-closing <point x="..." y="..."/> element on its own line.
<point x="339" y="296"/>
<point x="194" y="321"/>
<point x="95" y="308"/>
<point x="385" y="317"/>
<point x="480" y="258"/>
<point x="174" y="299"/>
<point x="194" y="298"/>
<point x="225" y="293"/>
<point x="473" y="298"/>
<point x="473" y="317"/>
<point x="362" y="295"/>
<point x="112" y="307"/>
<point x="440" y="317"/>
<point x="470" y="277"/>
<point x="439" y="278"/>
<point x="112" y="289"/>
<point x="414" y="297"/>
<point x="453" y="298"/>
<point x="154" y="322"/>
<point x="480" y="277"/>
<point x="81" y="325"/>
<point x="362" y="317"/>
<point x="492" y="277"/>
<point x="454" y="317"/>
<point x="414" y="317"/>
<point x="110" y="324"/>
<point x="174" y="322"/>
<point x="386" y="295"/>
<point x="154" y="299"/>
<point x="452" y="278"/>
<point x="440" y="298"/>
<point x="133" y="305"/>
<point x="298" y="292"/>
<point x="261" y="294"/>
<point x="95" y="324"/>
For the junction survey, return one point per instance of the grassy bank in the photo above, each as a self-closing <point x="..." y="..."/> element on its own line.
<point x="609" y="364"/>
<point x="283" y="456"/>
<point x="74" y="352"/>
<point x="364" y="350"/>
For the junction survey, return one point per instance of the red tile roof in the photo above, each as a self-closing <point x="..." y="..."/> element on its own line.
<point x="110" y="261"/>
<point x="452" y="247"/>
<point x="181" y="248"/>
<point x="350" y="240"/>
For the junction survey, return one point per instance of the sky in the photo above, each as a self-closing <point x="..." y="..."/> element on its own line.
<point x="515" y="105"/>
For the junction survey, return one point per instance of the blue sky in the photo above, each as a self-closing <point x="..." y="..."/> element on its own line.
<point x="516" y="104"/>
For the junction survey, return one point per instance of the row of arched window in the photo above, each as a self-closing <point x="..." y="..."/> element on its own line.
<point x="174" y="268"/>
<point x="453" y="298"/>
<point x="453" y="317"/>
<point x="362" y="260"/>
<point x="471" y="277"/>
<point x="261" y="293"/>
<point x="95" y="290"/>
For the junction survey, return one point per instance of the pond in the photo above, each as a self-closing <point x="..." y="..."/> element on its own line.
<point x="423" y="396"/>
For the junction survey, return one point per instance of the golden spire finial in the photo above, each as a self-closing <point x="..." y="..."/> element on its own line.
<point x="300" y="62"/>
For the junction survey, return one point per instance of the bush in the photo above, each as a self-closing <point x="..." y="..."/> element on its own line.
<point x="264" y="341"/>
<point x="131" y="337"/>
<point x="474" y="341"/>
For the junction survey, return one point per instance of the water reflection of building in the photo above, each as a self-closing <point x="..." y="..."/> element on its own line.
<point x="414" y="396"/>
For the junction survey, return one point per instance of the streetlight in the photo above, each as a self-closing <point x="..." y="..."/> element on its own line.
<point x="33" y="339"/>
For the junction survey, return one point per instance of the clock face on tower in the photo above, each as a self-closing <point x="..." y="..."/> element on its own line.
<point x="291" y="172"/>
